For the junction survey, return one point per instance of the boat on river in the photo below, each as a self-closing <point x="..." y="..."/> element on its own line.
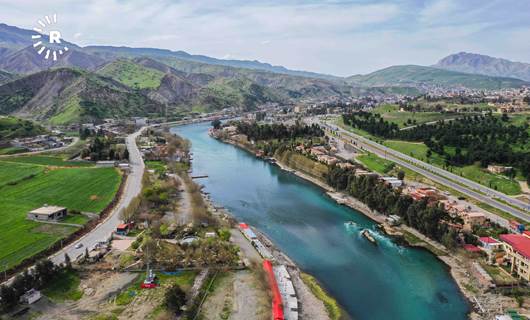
<point x="368" y="235"/>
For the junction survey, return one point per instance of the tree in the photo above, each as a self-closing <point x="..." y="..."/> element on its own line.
<point x="8" y="298"/>
<point x="216" y="124"/>
<point x="175" y="299"/>
<point x="401" y="175"/>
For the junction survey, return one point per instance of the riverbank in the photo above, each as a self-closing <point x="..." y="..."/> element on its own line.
<point x="403" y="234"/>
<point x="311" y="306"/>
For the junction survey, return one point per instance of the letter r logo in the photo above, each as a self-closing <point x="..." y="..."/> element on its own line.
<point x="55" y="37"/>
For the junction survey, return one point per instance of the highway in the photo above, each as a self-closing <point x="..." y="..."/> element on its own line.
<point x="104" y="230"/>
<point x="463" y="185"/>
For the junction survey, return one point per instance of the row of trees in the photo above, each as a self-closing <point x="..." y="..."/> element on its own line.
<point x="481" y="138"/>
<point x="255" y="131"/>
<point x="429" y="220"/>
<point x="38" y="277"/>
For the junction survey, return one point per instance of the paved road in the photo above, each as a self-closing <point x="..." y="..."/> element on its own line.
<point x="104" y="230"/>
<point x="465" y="186"/>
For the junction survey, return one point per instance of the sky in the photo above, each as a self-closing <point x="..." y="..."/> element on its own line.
<point x="333" y="37"/>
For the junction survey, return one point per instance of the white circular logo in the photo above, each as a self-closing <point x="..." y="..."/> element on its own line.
<point x="51" y="47"/>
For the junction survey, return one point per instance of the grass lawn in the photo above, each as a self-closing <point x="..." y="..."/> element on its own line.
<point x="471" y="172"/>
<point x="156" y="165"/>
<point x="11" y="150"/>
<point x="183" y="279"/>
<point x="65" y="286"/>
<point x="375" y="163"/>
<point x="48" y="161"/>
<point x="32" y="186"/>
<point x="391" y="113"/>
<point x="15" y="172"/>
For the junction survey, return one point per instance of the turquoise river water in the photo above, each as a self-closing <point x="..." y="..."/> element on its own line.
<point x="370" y="282"/>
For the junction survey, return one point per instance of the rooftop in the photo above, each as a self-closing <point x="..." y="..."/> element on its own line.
<point x="520" y="243"/>
<point x="47" y="210"/>
<point x="488" y="240"/>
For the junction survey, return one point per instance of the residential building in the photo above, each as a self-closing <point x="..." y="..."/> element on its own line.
<point x="499" y="169"/>
<point x="517" y="248"/>
<point x="392" y="181"/>
<point x="31" y="296"/>
<point x="47" y="213"/>
<point x="473" y="218"/>
<point x="489" y="243"/>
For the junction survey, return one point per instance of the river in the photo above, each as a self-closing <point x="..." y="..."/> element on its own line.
<point x="370" y="282"/>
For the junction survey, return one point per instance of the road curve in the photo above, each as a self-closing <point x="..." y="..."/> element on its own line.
<point x="463" y="185"/>
<point x="132" y="188"/>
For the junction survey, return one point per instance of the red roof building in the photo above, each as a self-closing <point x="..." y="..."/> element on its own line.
<point x="471" y="248"/>
<point x="519" y="243"/>
<point x="488" y="240"/>
<point x="517" y="248"/>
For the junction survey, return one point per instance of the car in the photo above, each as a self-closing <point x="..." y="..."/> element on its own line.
<point x="78" y="246"/>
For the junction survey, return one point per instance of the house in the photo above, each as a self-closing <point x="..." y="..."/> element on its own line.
<point x="499" y="169"/>
<point x="31" y="296"/>
<point x="318" y="151"/>
<point x="517" y="248"/>
<point x="47" y="213"/>
<point x="425" y="193"/>
<point x="471" y="248"/>
<point x="488" y="243"/>
<point x="140" y="121"/>
<point x="392" y="181"/>
<point x="473" y="218"/>
<point x="329" y="160"/>
<point x="345" y="165"/>
<point x="455" y="208"/>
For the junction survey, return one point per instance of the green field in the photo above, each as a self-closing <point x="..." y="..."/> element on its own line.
<point x="132" y="74"/>
<point x="391" y="113"/>
<point x="65" y="286"/>
<point x="472" y="172"/>
<point x="31" y="186"/>
<point x="375" y="163"/>
<point x="47" y="161"/>
<point x="11" y="150"/>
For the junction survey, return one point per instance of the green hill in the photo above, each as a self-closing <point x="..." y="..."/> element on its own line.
<point x="241" y="93"/>
<point x="132" y="74"/>
<point x="411" y="75"/>
<point x="63" y="96"/>
<point x="11" y="127"/>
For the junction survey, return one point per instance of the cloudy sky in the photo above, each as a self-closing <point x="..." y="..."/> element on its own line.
<point x="335" y="37"/>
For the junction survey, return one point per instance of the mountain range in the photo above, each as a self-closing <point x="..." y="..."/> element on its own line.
<point x="94" y="82"/>
<point x="486" y="65"/>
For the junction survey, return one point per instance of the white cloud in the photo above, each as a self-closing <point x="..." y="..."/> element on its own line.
<point x="338" y="37"/>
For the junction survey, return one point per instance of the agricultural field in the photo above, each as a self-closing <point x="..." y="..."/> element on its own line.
<point x="30" y="186"/>
<point x="47" y="161"/>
